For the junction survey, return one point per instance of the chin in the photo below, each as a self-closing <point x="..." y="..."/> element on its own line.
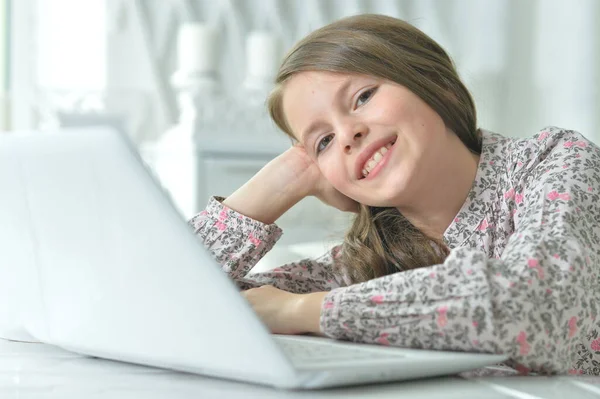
<point x="382" y="203"/>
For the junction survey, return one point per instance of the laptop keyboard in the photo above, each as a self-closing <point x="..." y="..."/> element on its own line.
<point x="322" y="351"/>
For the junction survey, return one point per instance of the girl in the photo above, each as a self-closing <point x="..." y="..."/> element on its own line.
<point x="463" y="240"/>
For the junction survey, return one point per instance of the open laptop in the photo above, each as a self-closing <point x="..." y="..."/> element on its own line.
<point x="96" y="260"/>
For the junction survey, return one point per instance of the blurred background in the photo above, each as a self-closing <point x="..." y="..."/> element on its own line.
<point x="187" y="79"/>
<point x="529" y="63"/>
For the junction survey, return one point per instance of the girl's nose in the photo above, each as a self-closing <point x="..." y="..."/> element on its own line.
<point x="353" y="137"/>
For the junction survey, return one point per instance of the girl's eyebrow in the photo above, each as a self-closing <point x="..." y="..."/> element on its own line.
<point x="340" y="93"/>
<point x="311" y="129"/>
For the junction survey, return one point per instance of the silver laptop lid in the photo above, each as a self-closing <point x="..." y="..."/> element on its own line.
<point x="102" y="263"/>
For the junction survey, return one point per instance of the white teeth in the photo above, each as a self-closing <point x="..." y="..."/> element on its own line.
<point x="375" y="159"/>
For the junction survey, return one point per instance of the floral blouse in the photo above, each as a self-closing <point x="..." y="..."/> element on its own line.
<point x="522" y="277"/>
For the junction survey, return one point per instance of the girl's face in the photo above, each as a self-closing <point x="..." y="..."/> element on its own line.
<point x="374" y="140"/>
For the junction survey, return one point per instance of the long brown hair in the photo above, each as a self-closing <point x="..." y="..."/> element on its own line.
<point x="382" y="241"/>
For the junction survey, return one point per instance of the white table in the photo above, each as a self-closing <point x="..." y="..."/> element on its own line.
<point x="42" y="371"/>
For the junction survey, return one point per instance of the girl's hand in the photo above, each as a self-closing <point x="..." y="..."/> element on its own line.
<point x="281" y="184"/>
<point x="314" y="183"/>
<point x="284" y="312"/>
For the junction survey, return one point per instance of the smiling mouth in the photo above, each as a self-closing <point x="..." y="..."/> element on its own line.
<point x="375" y="159"/>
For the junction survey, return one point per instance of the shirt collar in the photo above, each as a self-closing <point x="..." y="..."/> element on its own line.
<point x="483" y="192"/>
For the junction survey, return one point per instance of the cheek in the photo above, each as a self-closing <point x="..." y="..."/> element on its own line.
<point x="336" y="176"/>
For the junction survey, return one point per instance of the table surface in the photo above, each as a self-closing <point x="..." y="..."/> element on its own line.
<point x="44" y="371"/>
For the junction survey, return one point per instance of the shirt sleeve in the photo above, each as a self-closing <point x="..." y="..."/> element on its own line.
<point x="535" y="303"/>
<point x="238" y="242"/>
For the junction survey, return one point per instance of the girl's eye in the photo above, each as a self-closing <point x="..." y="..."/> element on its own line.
<point x="365" y="97"/>
<point x="323" y="143"/>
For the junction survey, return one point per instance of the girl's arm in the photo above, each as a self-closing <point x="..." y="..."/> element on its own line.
<point x="539" y="303"/>
<point x="238" y="242"/>
<point x="240" y="230"/>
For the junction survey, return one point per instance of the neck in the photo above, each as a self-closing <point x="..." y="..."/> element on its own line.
<point x="440" y="199"/>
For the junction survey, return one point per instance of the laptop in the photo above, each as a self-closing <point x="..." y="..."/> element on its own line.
<point x="97" y="260"/>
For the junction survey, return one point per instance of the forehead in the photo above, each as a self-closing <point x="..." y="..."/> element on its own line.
<point x="308" y="95"/>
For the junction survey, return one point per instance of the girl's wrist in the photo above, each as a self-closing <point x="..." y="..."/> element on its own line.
<point x="307" y="313"/>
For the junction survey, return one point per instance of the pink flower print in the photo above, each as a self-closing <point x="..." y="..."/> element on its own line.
<point x="518" y="198"/>
<point x="431" y="275"/>
<point x="581" y="144"/>
<point x="382" y="339"/>
<point x="519" y="164"/>
<point x="575" y="372"/>
<point x="522" y="369"/>
<point x="221" y="226"/>
<point x="328" y="305"/>
<point x="491" y="162"/>
<point x="377" y="299"/>
<point x="522" y="341"/>
<point x="590" y="188"/>
<point x="548" y="291"/>
<point x="222" y="215"/>
<point x="470" y="271"/>
<point x="578" y="155"/>
<point x="203" y="213"/>
<point x="556" y="256"/>
<point x="254" y="240"/>
<point x="568" y="144"/>
<point x="542" y="136"/>
<point x="564" y="196"/>
<point x="456" y="220"/>
<point x="565" y="166"/>
<point x="509" y="194"/>
<point x="534" y="264"/>
<point x="483" y="225"/>
<point x="595" y="346"/>
<point x="552" y="195"/>
<point x="572" y="326"/>
<point x="475" y="324"/>
<point x="442" y="319"/>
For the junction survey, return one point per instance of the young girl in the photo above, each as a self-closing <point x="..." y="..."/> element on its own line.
<point x="463" y="240"/>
